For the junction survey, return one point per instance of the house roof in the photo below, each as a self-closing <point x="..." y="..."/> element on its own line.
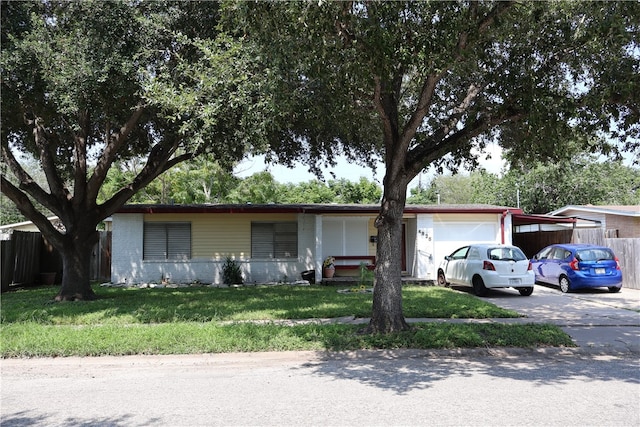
<point x="53" y="219"/>
<point x="628" y="210"/>
<point x="310" y="208"/>
<point x="9" y="227"/>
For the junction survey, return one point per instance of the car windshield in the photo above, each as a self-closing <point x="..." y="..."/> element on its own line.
<point x="505" y="254"/>
<point x="594" y="254"/>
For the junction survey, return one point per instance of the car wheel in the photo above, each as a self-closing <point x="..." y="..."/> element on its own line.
<point x="525" y="292"/>
<point x="614" y="289"/>
<point x="565" y="286"/>
<point x="478" y="286"/>
<point x="442" y="281"/>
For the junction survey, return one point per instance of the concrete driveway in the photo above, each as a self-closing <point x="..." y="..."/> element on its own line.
<point x="597" y="320"/>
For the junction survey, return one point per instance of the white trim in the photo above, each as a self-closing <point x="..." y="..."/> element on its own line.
<point x="610" y="210"/>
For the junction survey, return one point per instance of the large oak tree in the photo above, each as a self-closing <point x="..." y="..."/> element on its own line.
<point x="89" y="83"/>
<point x="425" y="83"/>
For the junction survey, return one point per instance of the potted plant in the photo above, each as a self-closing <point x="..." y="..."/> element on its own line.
<point x="329" y="267"/>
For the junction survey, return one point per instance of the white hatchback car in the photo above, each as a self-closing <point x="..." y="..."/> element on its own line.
<point x="485" y="266"/>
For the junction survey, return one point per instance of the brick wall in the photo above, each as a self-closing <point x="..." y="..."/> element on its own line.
<point x="628" y="227"/>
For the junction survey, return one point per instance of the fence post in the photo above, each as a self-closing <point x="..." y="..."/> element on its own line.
<point x="7" y="254"/>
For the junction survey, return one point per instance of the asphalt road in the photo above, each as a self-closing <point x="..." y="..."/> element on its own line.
<point x="594" y="385"/>
<point x="302" y="388"/>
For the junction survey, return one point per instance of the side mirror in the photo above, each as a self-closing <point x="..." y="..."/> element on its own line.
<point x="447" y="258"/>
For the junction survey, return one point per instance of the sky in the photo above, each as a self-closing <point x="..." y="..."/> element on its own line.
<point x="350" y="171"/>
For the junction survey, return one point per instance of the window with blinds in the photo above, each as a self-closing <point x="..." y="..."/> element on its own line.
<point x="274" y="239"/>
<point x="167" y="240"/>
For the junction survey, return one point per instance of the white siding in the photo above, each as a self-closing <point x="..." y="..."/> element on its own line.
<point x="423" y="266"/>
<point x="128" y="266"/>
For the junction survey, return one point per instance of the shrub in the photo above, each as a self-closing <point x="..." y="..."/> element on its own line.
<point x="231" y="272"/>
<point x="366" y="275"/>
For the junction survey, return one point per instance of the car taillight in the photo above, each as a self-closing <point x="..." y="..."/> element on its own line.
<point x="488" y="266"/>
<point x="617" y="263"/>
<point x="574" y="264"/>
<point x="530" y="266"/>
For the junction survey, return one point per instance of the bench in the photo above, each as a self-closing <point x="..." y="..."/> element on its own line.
<point x="352" y="262"/>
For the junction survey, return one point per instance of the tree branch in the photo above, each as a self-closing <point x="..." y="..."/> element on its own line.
<point x="47" y="160"/>
<point x="426" y="95"/>
<point x="425" y="153"/>
<point x="146" y="175"/>
<point x="80" y="160"/>
<point x="26" y="208"/>
<point x="27" y="183"/>
<point x="113" y="143"/>
<point x="384" y="116"/>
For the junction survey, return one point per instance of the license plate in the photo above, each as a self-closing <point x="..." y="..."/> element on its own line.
<point x="600" y="271"/>
<point x="514" y="281"/>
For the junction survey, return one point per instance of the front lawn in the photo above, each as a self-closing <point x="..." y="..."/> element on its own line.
<point x="212" y="320"/>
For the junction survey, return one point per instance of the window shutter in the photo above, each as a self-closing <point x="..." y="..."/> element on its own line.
<point x="178" y="240"/>
<point x="286" y="240"/>
<point x="274" y="240"/>
<point x="262" y="240"/>
<point x="154" y="244"/>
<point x="167" y="240"/>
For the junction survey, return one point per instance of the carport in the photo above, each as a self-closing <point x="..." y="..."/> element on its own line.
<point x="533" y="232"/>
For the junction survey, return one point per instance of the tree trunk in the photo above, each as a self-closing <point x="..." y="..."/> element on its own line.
<point x="76" y="266"/>
<point x="387" y="315"/>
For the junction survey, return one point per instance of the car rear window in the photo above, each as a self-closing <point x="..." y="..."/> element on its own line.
<point x="594" y="254"/>
<point x="505" y="254"/>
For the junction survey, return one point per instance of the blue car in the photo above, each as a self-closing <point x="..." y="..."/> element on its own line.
<point x="575" y="266"/>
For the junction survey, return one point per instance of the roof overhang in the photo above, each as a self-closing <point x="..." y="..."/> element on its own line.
<point x="312" y="209"/>
<point x="532" y="219"/>
<point x="629" y="210"/>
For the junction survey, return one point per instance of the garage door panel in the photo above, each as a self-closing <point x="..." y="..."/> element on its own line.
<point x="449" y="236"/>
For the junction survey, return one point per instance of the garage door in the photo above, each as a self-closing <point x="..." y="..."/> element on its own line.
<point x="449" y="236"/>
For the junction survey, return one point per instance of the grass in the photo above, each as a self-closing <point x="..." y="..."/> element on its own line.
<point x="210" y="320"/>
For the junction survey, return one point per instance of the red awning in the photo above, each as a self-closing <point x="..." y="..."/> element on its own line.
<point x="522" y="219"/>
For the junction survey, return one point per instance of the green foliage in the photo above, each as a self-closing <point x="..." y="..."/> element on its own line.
<point x="9" y="213"/>
<point x="542" y="187"/>
<point x="36" y="340"/>
<point x="365" y="276"/>
<point x="477" y="187"/>
<point x="204" y="181"/>
<point x="231" y="272"/>
<point x="578" y="181"/>
<point x="201" y="180"/>
<point x="189" y="320"/>
<point x="132" y="306"/>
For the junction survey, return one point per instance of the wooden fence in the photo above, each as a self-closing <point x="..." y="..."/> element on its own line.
<point x="627" y="250"/>
<point x="27" y="255"/>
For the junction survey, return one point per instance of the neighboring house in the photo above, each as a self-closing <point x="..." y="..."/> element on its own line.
<point x="6" y="230"/>
<point x="185" y="243"/>
<point x="616" y="221"/>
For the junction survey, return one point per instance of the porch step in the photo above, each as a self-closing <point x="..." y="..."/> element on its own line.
<point x="350" y="281"/>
